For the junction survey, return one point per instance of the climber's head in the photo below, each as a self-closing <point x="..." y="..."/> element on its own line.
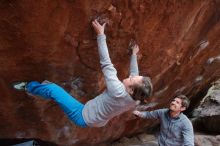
<point x="139" y="87"/>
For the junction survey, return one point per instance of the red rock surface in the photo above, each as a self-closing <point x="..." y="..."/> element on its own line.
<point x="53" y="40"/>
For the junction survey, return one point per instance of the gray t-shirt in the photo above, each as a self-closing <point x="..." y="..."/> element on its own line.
<point x="173" y="131"/>
<point x="114" y="100"/>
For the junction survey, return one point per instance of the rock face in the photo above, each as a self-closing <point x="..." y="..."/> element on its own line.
<point x="208" y="112"/>
<point x="207" y="140"/>
<point x="138" y="140"/>
<point x="200" y="139"/>
<point x="53" y="40"/>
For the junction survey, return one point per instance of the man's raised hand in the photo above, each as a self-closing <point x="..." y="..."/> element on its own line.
<point x="138" y="113"/>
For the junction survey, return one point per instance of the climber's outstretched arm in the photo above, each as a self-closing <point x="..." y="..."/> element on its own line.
<point x="133" y="62"/>
<point x="114" y="86"/>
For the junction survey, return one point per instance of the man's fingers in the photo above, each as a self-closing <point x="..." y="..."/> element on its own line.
<point x="135" y="112"/>
<point x="137" y="102"/>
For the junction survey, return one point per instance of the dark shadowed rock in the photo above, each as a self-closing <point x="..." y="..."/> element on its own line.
<point x="207" y="114"/>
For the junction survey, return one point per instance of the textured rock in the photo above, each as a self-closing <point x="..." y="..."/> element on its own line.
<point x="139" y="140"/>
<point x="207" y="114"/>
<point x="200" y="139"/>
<point x="53" y="40"/>
<point x="210" y="105"/>
<point x="207" y="140"/>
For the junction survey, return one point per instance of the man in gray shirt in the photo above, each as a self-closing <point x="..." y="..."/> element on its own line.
<point x="175" y="128"/>
<point x="116" y="99"/>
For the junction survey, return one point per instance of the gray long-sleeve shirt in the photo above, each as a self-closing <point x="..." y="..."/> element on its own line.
<point x="173" y="131"/>
<point x="114" y="100"/>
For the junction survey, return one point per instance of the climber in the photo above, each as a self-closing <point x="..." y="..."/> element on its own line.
<point x="175" y="128"/>
<point x="116" y="99"/>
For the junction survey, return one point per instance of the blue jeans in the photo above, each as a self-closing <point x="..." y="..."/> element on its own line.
<point x="71" y="107"/>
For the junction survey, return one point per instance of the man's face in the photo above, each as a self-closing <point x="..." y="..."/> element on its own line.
<point x="176" y="105"/>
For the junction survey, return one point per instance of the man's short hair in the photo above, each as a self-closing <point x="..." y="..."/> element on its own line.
<point x="185" y="100"/>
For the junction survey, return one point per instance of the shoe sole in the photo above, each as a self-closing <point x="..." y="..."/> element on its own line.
<point x="16" y="83"/>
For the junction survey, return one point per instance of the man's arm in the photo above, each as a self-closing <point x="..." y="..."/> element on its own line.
<point x="156" y="114"/>
<point x="133" y="63"/>
<point x="188" y="136"/>
<point x="114" y="87"/>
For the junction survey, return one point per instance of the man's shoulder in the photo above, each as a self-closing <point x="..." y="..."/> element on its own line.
<point x="162" y="111"/>
<point x="185" y="120"/>
<point x="184" y="117"/>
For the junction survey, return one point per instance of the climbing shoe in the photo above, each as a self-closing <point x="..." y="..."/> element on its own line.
<point x="21" y="86"/>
